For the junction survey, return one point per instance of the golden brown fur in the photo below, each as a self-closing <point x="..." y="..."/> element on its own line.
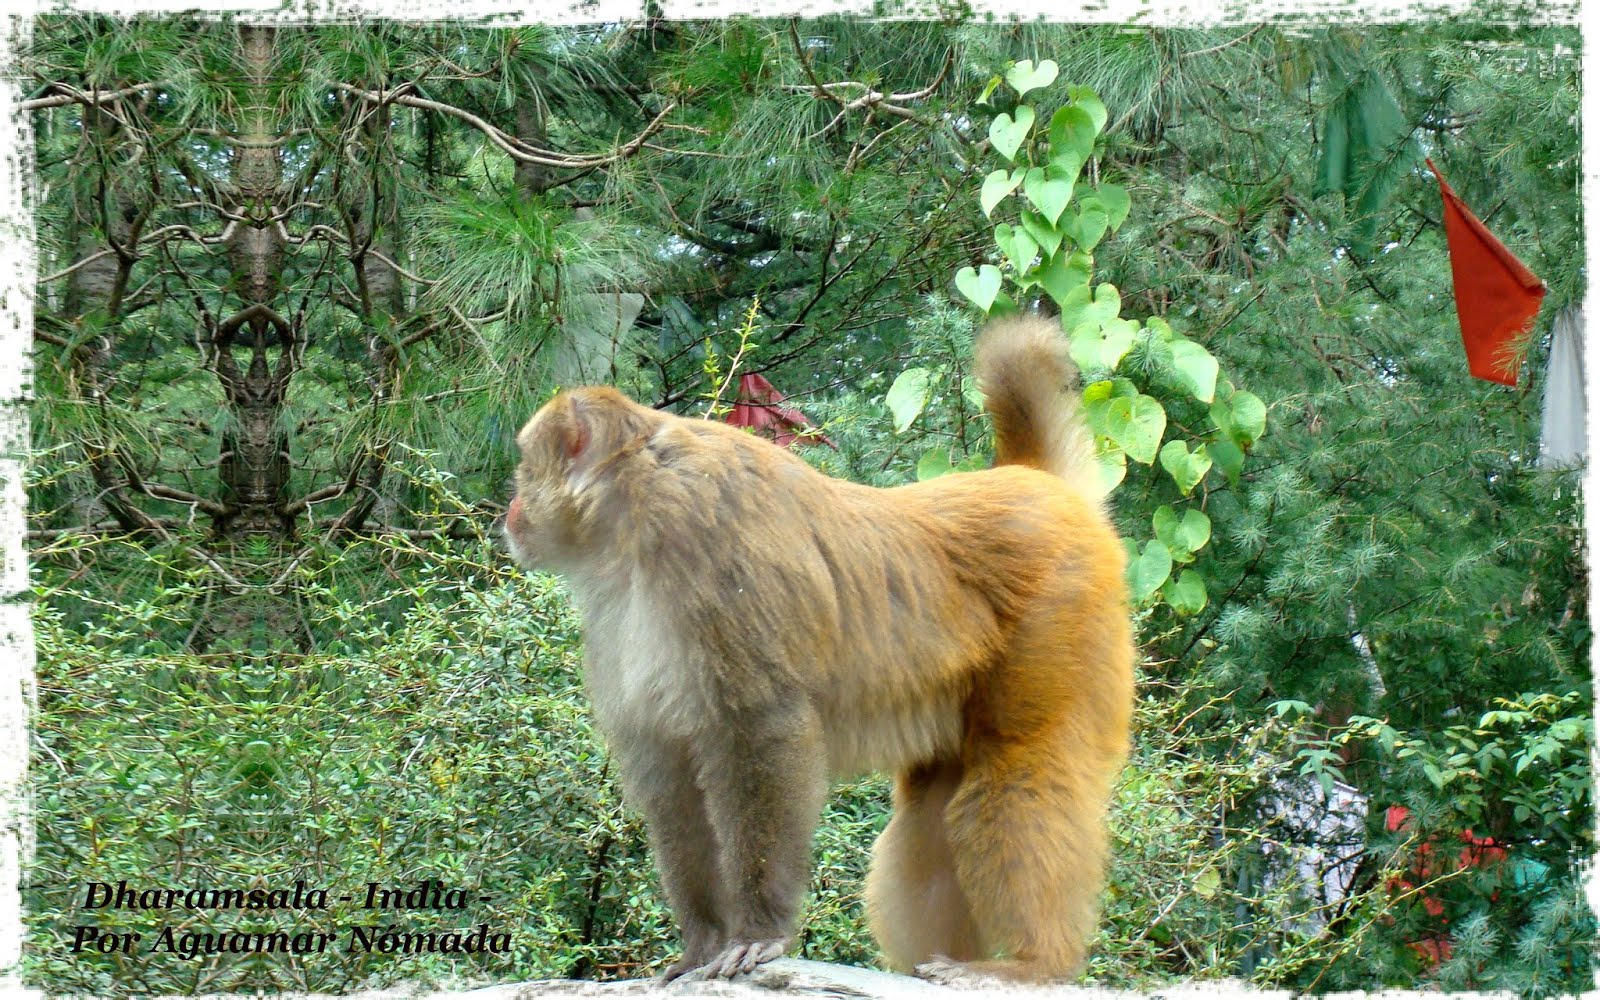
<point x="753" y="627"/>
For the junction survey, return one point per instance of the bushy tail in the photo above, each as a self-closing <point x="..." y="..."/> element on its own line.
<point x="1029" y="387"/>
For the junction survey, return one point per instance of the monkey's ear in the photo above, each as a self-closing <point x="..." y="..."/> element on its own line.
<point x="579" y="430"/>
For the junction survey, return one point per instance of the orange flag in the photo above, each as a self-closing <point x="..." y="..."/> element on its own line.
<point x="1496" y="295"/>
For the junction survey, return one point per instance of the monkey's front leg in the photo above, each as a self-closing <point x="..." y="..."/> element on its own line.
<point x="658" y="779"/>
<point x="765" y="776"/>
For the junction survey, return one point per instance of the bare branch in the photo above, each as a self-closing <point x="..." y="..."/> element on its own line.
<point x="516" y="148"/>
<point x="71" y="95"/>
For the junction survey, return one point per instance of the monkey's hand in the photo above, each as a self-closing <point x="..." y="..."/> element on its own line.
<point x="740" y="957"/>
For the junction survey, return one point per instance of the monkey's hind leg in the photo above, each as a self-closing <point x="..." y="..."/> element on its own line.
<point x="1029" y="842"/>
<point x="1027" y="824"/>
<point x="915" y="907"/>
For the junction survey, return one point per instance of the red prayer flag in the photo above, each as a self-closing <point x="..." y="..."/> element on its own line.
<point x="758" y="409"/>
<point x="1496" y="295"/>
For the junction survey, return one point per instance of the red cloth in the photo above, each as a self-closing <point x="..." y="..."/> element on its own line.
<point x="758" y="409"/>
<point x="1496" y="295"/>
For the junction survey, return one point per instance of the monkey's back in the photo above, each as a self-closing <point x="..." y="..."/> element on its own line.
<point x="904" y="597"/>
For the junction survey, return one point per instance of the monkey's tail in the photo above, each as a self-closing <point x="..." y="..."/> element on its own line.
<point x="1029" y="386"/>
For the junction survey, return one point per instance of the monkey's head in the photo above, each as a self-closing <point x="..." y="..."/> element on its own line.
<point x="572" y="451"/>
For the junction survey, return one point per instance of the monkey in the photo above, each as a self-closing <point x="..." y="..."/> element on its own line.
<point x="753" y="628"/>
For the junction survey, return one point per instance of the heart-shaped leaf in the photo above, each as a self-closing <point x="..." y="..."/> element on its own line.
<point x="1047" y="236"/>
<point x="908" y="395"/>
<point x="1228" y="457"/>
<point x="1147" y="573"/>
<point x="995" y="188"/>
<point x="1136" y="425"/>
<point x="1183" y="536"/>
<point x="981" y="286"/>
<point x="1079" y="308"/>
<point x="1049" y="196"/>
<point x="1062" y="275"/>
<point x="1112" y="467"/>
<point x="1096" y="397"/>
<point x="1007" y="132"/>
<point x="1085" y="99"/>
<point x="1096" y="348"/>
<point x="1025" y="76"/>
<point x="933" y="464"/>
<point x="1187" y="595"/>
<point x="1198" y="368"/>
<point x="1116" y="201"/>
<point x="1066" y="169"/>
<point x="1194" y="531"/>
<point x="1165" y="523"/>
<point x="1186" y="468"/>
<point x="1249" y="416"/>
<point x="1088" y="225"/>
<point x="1072" y="134"/>
<point x="1016" y="244"/>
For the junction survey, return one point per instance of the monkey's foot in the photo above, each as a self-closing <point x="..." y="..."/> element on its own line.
<point x="948" y="972"/>
<point x="740" y="957"/>
<point x="682" y="967"/>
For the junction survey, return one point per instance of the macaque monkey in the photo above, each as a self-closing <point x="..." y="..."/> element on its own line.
<point x="753" y="627"/>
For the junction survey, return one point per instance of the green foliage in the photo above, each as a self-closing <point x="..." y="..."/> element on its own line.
<point x="1049" y="249"/>
<point x="1524" y="766"/>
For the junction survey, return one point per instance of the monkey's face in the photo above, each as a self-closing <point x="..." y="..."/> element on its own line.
<point x="541" y="527"/>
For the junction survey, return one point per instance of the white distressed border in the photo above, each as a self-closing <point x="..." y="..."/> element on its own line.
<point x="18" y="266"/>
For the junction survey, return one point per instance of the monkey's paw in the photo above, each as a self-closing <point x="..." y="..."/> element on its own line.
<point x="948" y="972"/>
<point x="682" y="967"/>
<point x="740" y="957"/>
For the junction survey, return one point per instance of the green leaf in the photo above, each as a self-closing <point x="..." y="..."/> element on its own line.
<point x="1072" y="133"/>
<point x="1079" y="308"/>
<point x="972" y="393"/>
<point x="1087" y="226"/>
<point x="1198" y="368"/>
<point x="1249" y="416"/>
<point x="1194" y="531"/>
<point x="1063" y="275"/>
<point x="1016" y="244"/>
<point x="1186" y="468"/>
<point x="933" y="464"/>
<point x="1147" y="573"/>
<point x="1049" y="196"/>
<point x="1182" y="536"/>
<point x="1046" y="235"/>
<point x="1096" y="397"/>
<point x="996" y="187"/>
<point x="1024" y="76"/>
<point x="1165" y="523"/>
<point x="1095" y="348"/>
<point x="1112" y="466"/>
<point x="1228" y="457"/>
<point x="988" y="90"/>
<point x="1136" y="425"/>
<point x="1089" y="102"/>
<point x="1007" y="132"/>
<point x="981" y="286"/>
<point x="1117" y="203"/>
<point x="908" y="396"/>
